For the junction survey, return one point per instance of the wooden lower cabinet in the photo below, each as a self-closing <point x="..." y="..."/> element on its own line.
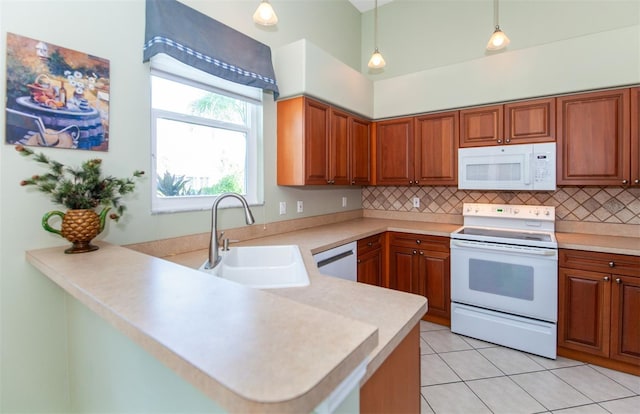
<point x="421" y="264"/>
<point x="371" y="258"/>
<point x="599" y="309"/>
<point x="395" y="386"/>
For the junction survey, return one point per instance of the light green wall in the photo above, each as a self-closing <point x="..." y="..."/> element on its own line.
<point x="35" y="361"/>
<point x="415" y="35"/>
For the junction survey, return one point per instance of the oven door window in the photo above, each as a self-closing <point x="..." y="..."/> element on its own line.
<point x="504" y="279"/>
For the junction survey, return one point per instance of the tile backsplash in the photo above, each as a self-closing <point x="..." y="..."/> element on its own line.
<point x="611" y="205"/>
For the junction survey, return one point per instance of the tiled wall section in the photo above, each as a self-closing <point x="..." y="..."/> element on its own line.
<point x="587" y="204"/>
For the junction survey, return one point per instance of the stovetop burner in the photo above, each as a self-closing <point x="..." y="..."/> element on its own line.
<point x="508" y="224"/>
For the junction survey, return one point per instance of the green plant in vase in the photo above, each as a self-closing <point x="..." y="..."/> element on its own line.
<point x="81" y="190"/>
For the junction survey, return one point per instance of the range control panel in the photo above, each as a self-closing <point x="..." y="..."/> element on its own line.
<point x="545" y="213"/>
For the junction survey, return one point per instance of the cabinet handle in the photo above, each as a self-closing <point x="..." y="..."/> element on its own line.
<point x="618" y="280"/>
<point x="637" y="181"/>
<point x="499" y="141"/>
<point x="418" y="241"/>
<point x="625" y="181"/>
<point x="421" y="253"/>
<point x="416" y="182"/>
<point x="612" y="264"/>
<point x="606" y="278"/>
<point x="415" y="252"/>
<point x="410" y="182"/>
<point x="507" y="140"/>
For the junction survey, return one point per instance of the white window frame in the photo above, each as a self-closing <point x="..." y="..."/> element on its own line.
<point x="253" y="168"/>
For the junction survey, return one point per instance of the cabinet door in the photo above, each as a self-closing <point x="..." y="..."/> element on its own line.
<point x="481" y="126"/>
<point x="625" y="319"/>
<point x="316" y="152"/>
<point x="394" y="144"/>
<point x="436" y="149"/>
<point x="530" y="121"/>
<point x="403" y="269"/>
<point x="635" y="136"/>
<point x="434" y="284"/>
<point x="360" y="152"/>
<point x="339" y="148"/>
<point x="584" y="311"/>
<point x="594" y="138"/>
<point x="370" y="268"/>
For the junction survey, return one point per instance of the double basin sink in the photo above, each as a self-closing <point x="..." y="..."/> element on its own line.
<point x="262" y="267"/>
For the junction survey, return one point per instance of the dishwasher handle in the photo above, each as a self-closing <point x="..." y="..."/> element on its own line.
<point x="335" y="258"/>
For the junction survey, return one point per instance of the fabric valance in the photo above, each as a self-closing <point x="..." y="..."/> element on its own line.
<point x="206" y="44"/>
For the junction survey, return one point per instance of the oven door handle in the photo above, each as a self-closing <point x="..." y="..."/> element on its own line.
<point x="493" y="247"/>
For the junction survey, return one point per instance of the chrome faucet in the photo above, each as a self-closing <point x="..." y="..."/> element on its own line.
<point x="214" y="256"/>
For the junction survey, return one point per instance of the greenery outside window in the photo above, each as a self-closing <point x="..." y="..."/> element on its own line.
<point x="205" y="141"/>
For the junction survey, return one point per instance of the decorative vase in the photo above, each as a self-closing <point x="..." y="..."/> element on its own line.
<point x="79" y="227"/>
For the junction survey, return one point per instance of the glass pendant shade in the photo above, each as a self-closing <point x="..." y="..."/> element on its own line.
<point x="498" y="40"/>
<point x="265" y="15"/>
<point x="376" y="61"/>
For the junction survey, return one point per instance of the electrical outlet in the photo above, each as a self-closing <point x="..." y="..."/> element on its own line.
<point x="283" y="207"/>
<point x="344" y="201"/>
<point x="300" y="207"/>
<point x="416" y="202"/>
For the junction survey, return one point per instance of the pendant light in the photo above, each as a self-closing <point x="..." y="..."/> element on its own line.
<point x="376" y="61"/>
<point x="265" y="15"/>
<point x="499" y="39"/>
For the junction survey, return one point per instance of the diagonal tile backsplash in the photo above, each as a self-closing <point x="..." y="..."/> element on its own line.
<point x="613" y="205"/>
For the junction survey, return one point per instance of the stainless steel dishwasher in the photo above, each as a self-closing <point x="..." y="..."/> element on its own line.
<point x="339" y="262"/>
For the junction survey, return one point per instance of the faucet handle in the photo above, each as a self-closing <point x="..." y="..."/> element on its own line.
<point x="225" y="245"/>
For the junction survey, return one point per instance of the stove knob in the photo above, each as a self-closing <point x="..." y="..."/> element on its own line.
<point x="537" y="213"/>
<point x="547" y="212"/>
<point x="516" y="211"/>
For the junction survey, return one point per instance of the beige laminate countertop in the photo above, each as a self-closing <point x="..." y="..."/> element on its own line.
<point x="281" y="350"/>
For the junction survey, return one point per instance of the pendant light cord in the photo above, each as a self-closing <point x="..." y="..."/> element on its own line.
<point x="496" y="13"/>
<point x="375" y="26"/>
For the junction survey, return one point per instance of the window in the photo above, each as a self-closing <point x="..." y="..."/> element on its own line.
<point x="205" y="141"/>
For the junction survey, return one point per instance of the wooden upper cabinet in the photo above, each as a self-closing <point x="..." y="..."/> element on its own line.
<point x="436" y="149"/>
<point x="481" y="126"/>
<point x="338" y="154"/>
<point x="530" y="121"/>
<point x="522" y="122"/>
<point x="316" y="138"/>
<point x="594" y="142"/>
<point x="360" y="157"/>
<point x="319" y="145"/>
<point x="394" y="146"/>
<point x="635" y="136"/>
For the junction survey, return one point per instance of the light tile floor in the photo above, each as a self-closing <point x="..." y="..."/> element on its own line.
<point x="465" y="375"/>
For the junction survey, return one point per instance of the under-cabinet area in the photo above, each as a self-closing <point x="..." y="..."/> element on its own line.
<point x="596" y="134"/>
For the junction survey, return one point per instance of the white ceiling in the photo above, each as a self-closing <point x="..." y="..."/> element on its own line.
<point x="366" y="5"/>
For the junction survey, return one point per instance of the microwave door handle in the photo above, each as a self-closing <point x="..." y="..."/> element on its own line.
<point x="527" y="168"/>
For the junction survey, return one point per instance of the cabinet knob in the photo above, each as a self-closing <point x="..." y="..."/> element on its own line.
<point x="418" y="241"/>
<point x="499" y="141"/>
<point x="612" y="264"/>
<point x="606" y="278"/>
<point x="353" y="182"/>
<point x="416" y="182"/>
<point x="415" y="252"/>
<point x="636" y="181"/>
<point x="370" y="244"/>
<point x="507" y="140"/>
<point x="421" y="253"/>
<point x="618" y="281"/>
<point x="625" y="181"/>
<point x="359" y="261"/>
<point x="410" y="182"/>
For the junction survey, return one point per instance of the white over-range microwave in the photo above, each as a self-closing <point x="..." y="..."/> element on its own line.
<point x="508" y="167"/>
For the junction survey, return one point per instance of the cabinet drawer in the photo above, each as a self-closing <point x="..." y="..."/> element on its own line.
<point x="371" y="243"/>
<point x="424" y="242"/>
<point x="600" y="262"/>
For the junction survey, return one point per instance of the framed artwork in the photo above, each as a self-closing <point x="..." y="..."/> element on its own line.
<point x="56" y="97"/>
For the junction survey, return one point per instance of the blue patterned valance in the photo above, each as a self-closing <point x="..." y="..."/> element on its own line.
<point x="206" y="44"/>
